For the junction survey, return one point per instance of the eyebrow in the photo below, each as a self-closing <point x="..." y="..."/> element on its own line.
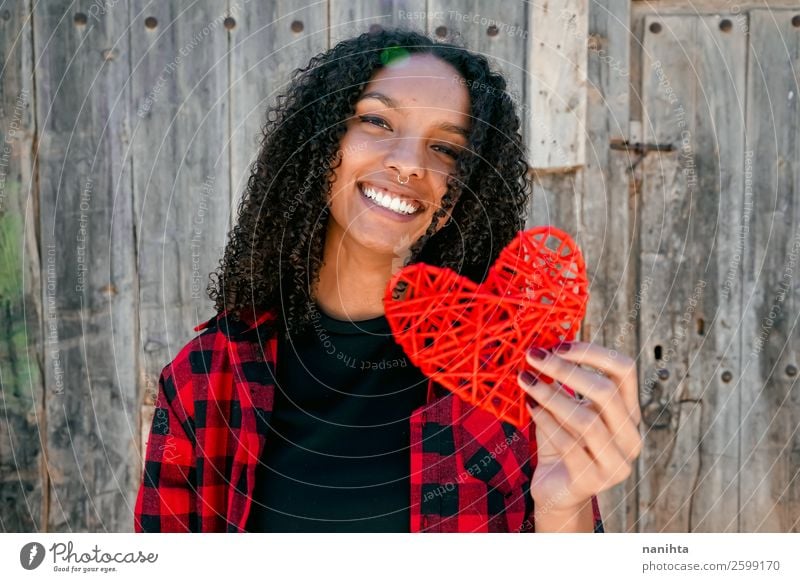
<point x="392" y="104"/>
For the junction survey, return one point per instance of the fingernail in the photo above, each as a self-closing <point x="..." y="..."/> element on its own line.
<point x="530" y="401"/>
<point x="537" y="353"/>
<point x="528" y="378"/>
<point x="563" y="347"/>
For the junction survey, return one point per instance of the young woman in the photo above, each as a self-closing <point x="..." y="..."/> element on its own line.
<point x="294" y="409"/>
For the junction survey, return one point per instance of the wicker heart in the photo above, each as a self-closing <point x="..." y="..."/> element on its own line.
<point x="472" y="338"/>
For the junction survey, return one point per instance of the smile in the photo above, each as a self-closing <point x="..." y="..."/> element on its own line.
<point x="385" y="200"/>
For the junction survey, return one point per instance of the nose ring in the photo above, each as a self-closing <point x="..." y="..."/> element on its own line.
<point x="407" y="179"/>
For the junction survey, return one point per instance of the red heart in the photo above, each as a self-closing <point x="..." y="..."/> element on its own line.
<point x="472" y="338"/>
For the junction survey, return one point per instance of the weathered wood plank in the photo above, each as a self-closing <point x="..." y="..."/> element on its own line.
<point x="707" y="6"/>
<point x="351" y="18"/>
<point x="555" y="201"/>
<point x="692" y="81"/>
<point x="88" y="264"/>
<point x="734" y="10"/>
<point x="270" y="41"/>
<point x="557" y="83"/>
<point x="769" y="487"/>
<point x="22" y="482"/>
<point x="181" y="173"/>
<point x="606" y="214"/>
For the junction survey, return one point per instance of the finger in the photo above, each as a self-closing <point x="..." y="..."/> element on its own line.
<point x="584" y="422"/>
<point x="545" y="447"/>
<point x="599" y="389"/>
<point x="558" y="438"/>
<point x="619" y="367"/>
<point x="571" y="450"/>
<point x="550" y="433"/>
<point x="613" y="444"/>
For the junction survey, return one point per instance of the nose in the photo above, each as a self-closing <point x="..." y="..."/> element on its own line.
<point x="405" y="157"/>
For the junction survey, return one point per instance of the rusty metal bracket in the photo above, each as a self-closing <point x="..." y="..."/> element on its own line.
<point x="642" y="149"/>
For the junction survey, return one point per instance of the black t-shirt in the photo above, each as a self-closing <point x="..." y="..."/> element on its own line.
<point x="336" y="458"/>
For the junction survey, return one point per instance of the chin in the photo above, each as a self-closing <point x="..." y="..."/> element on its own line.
<point x="388" y="243"/>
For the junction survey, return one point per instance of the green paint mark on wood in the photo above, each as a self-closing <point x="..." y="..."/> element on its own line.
<point x="20" y="370"/>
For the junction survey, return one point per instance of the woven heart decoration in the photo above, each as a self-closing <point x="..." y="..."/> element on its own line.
<point x="471" y="338"/>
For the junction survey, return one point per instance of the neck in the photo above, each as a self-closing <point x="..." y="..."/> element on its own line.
<point x="352" y="279"/>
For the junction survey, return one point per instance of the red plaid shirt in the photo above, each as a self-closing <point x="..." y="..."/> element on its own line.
<point x="469" y="471"/>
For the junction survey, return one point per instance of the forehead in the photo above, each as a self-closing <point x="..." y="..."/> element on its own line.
<point x="422" y="80"/>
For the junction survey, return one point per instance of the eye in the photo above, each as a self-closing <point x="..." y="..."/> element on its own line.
<point x="374" y="121"/>
<point x="448" y="151"/>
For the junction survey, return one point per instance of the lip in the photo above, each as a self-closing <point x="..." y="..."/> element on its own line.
<point x="385" y="211"/>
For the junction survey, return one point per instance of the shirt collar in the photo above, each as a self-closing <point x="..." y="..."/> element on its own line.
<point x="249" y="319"/>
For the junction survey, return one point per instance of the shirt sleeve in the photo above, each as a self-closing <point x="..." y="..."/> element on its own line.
<point x="166" y="501"/>
<point x="598" y="519"/>
<point x="529" y="525"/>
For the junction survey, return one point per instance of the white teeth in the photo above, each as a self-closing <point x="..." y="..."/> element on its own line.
<point x="394" y="204"/>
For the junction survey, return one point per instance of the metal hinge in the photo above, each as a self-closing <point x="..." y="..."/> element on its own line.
<point x="640" y="148"/>
<point x="634" y="143"/>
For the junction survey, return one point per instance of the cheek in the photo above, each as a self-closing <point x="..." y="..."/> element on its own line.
<point x="441" y="191"/>
<point x="356" y="142"/>
<point x="354" y="153"/>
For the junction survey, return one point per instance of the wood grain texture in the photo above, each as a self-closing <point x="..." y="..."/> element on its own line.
<point x="270" y="41"/>
<point x="769" y="484"/>
<point x="693" y="79"/>
<point x="349" y="18"/>
<point x="557" y="83"/>
<point x="90" y="291"/>
<point x="607" y="213"/>
<point x="181" y="172"/>
<point x="23" y="484"/>
<point x="145" y="118"/>
<point x="706" y="6"/>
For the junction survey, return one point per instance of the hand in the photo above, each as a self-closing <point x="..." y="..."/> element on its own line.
<point x="583" y="447"/>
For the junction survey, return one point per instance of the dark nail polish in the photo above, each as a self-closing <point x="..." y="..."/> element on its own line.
<point x="530" y="401"/>
<point x="563" y="347"/>
<point x="537" y="353"/>
<point x="528" y="378"/>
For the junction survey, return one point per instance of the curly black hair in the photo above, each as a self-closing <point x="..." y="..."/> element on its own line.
<point x="273" y="257"/>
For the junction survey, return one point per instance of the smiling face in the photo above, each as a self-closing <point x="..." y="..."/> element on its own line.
<point x="411" y="120"/>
